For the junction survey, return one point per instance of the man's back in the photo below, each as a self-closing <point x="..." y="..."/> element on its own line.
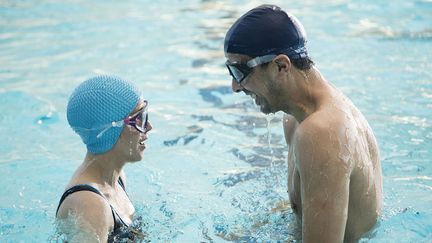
<point x="334" y="148"/>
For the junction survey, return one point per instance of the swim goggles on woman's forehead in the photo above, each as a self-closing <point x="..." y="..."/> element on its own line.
<point x="239" y="71"/>
<point x="138" y="120"/>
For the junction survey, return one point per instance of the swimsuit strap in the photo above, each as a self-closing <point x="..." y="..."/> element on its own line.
<point x="120" y="181"/>
<point x="118" y="222"/>
<point x="77" y="188"/>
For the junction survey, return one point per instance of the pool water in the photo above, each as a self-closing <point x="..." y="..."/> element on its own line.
<point x="215" y="167"/>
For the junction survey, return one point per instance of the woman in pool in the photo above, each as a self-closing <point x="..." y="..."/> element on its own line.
<point x="111" y="118"/>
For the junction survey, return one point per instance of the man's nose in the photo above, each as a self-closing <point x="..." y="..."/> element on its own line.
<point x="235" y="86"/>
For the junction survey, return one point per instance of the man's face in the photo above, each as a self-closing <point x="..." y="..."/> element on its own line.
<point x="255" y="84"/>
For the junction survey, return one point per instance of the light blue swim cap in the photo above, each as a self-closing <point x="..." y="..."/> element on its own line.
<point x="93" y="107"/>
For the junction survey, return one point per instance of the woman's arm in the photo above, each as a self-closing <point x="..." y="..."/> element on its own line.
<point x="85" y="217"/>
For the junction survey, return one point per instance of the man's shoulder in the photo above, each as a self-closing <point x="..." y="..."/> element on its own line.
<point x="323" y="124"/>
<point x="314" y="125"/>
<point x="319" y="136"/>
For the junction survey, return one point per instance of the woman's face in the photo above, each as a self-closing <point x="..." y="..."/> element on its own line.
<point x="131" y="143"/>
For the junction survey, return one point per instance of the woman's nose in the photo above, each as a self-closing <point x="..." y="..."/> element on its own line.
<point x="148" y="126"/>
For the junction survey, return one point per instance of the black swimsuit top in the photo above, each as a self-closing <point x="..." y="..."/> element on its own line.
<point x="121" y="231"/>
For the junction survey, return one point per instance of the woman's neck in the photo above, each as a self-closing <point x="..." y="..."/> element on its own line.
<point x="104" y="168"/>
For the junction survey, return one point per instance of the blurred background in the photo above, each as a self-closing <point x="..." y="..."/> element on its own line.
<point x="215" y="167"/>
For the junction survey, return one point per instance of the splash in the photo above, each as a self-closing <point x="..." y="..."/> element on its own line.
<point x="273" y="169"/>
<point x="269" y="118"/>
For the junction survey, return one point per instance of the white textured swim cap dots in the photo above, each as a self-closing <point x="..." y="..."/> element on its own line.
<point x="98" y="102"/>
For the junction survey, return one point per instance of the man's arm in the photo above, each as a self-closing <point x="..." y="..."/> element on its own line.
<point x="325" y="182"/>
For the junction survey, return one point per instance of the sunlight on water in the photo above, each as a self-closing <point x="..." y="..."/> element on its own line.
<point x="215" y="168"/>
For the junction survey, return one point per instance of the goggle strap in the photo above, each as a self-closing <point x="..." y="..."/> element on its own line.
<point x="113" y="124"/>
<point x="260" y="60"/>
<point x="107" y="127"/>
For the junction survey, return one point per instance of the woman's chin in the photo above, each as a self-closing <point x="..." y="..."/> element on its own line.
<point x="138" y="156"/>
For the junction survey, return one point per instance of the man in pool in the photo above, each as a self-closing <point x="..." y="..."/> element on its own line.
<point x="334" y="171"/>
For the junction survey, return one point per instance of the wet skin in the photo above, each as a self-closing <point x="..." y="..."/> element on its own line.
<point x="334" y="171"/>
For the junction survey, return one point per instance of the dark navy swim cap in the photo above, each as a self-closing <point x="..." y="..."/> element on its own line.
<point x="265" y="30"/>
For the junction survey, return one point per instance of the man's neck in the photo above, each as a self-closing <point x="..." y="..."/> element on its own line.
<point x="310" y="91"/>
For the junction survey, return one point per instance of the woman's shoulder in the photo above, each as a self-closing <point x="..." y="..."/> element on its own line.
<point x="84" y="201"/>
<point x="86" y="211"/>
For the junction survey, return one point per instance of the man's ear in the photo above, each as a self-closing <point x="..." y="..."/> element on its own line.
<point x="283" y="62"/>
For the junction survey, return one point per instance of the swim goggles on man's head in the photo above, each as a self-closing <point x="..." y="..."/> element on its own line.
<point x="239" y="71"/>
